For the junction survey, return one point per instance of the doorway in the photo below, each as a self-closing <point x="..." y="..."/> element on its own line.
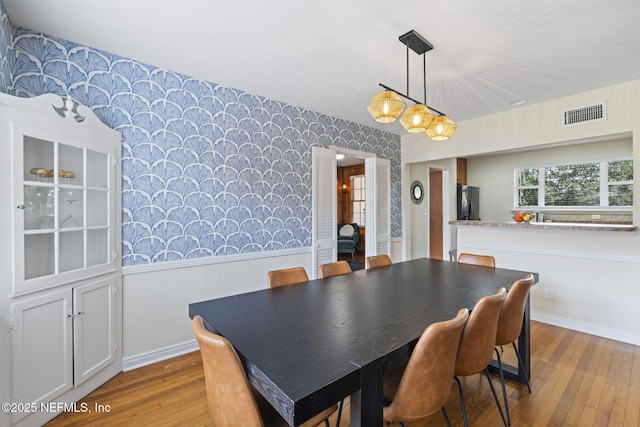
<point x="351" y="207"/>
<point x="324" y="204"/>
<point x="435" y="214"/>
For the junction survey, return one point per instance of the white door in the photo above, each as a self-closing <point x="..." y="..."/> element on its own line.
<point x="41" y="359"/>
<point x="94" y="332"/>
<point x="324" y="207"/>
<point x="378" y="214"/>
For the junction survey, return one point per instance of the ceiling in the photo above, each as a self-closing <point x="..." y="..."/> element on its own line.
<point x="329" y="56"/>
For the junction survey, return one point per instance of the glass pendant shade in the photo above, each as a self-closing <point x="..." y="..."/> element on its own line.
<point x="416" y="119"/>
<point x="386" y="106"/>
<point x="441" y="128"/>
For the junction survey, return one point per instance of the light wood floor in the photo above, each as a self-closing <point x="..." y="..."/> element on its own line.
<point x="577" y="380"/>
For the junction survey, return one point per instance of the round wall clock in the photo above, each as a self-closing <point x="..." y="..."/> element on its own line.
<point x="417" y="192"/>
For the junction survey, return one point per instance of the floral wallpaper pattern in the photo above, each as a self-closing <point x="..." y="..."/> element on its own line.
<point x="5" y="40"/>
<point x="207" y="170"/>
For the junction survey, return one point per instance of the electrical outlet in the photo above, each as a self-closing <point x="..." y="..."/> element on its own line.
<point x="548" y="293"/>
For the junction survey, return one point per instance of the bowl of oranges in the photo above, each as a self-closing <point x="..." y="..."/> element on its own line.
<point x="523" y="216"/>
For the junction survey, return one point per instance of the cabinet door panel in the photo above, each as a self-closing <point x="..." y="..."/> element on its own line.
<point x="41" y="359"/>
<point x="94" y="327"/>
<point x="65" y="191"/>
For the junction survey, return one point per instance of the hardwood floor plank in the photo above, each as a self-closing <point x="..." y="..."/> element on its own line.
<point x="577" y="380"/>
<point x="632" y="407"/>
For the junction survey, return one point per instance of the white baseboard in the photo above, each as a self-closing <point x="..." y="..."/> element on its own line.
<point x="144" y="359"/>
<point x="587" y="328"/>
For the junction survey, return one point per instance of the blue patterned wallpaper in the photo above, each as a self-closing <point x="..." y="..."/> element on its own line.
<point x="5" y="40"/>
<point x="207" y="170"/>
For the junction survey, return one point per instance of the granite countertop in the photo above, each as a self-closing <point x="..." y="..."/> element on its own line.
<point x="549" y="225"/>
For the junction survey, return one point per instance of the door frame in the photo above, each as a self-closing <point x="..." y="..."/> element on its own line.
<point x="369" y="203"/>
<point x="446" y="208"/>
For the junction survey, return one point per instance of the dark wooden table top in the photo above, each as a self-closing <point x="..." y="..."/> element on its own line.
<point x="303" y="345"/>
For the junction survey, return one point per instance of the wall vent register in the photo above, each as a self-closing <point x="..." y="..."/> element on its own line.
<point x="590" y="113"/>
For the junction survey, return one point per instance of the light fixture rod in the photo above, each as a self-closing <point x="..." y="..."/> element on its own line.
<point x="440" y="113"/>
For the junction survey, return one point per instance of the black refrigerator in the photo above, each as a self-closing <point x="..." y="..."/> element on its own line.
<point x="468" y="203"/>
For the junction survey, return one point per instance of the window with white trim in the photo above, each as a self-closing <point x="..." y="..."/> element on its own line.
<point x="358" y="199"/>
<point x="595" y="184"/>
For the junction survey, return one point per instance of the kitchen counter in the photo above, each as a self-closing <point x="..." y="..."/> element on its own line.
<point x="564" y="226"/>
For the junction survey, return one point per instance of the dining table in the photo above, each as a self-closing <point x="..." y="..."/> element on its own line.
<point x="309" y="345"/>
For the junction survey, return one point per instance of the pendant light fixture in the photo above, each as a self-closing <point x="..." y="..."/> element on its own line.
<point x="387" y="106"/>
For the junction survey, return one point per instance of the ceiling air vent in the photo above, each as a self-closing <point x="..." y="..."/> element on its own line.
<point x="590" y="113"/>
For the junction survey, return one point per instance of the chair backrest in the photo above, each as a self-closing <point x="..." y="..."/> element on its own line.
<point x="334" y="269"/>
<point x="377" y="261"/>
<point x="479" y="335"/>
<point x="287" y="276"/>
<point x="426" y="381"/>
<point x="483" y="260"/>
<point x="228" y="391"/>
<point x="510" y="323"/>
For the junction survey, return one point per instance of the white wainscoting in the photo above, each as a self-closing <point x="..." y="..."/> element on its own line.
<point x="593" y="275"/>
<point x="156" y="297"/>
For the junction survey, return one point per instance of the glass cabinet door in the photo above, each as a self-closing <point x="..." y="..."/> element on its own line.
<point x="67" y="202"/>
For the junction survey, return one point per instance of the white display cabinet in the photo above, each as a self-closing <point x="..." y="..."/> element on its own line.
<point x="60" y="298"/>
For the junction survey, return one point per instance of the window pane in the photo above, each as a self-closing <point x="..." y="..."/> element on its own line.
<point x="621" y="170"/>
<point x="572" y="185"/>
<point x="528" y="197"/>
<point x="620" y="195"/>
<point x="528" y="177"/>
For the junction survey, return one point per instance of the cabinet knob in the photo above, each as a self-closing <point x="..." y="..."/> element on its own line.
<point x="20" y="206"/>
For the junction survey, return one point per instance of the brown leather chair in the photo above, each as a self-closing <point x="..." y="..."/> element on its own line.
<point x="478" y="342"/>
<point x="232" y="400"/>
<point x="287" y="276"/>
<point x="334" y="269"/>
<point x="510" y="326"/>
<point x="422" y="387"/>
<point x="483" y="260"/>
<point x="377" y="261"/>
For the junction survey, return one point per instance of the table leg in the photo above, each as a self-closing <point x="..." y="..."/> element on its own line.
<point x="366" y="403"/>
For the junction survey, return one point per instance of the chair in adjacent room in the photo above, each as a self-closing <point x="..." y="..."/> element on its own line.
<point x="510" y="326"/>
<point x="286" y="276"/>
<point x="231" y="398"/>
<point x="422" y="387"/>
<point x="483" y="260"/>
<point x="348" y="237"/>
<point x="477" y="344"/>
<point x="377" y="261"/>
<point x="334" y="269"/>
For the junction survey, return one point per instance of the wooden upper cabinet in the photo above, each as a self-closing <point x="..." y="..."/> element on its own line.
<point x="461" y="171"/>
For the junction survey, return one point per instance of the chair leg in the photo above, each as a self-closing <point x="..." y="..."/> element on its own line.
<point x="462" y="405"/>
<point x="495" y="396"/>
<point x="446" y="416"/>
<point x="520" y="360"/>
<point x="504" y="390"/>
<point x="339" y="413"/>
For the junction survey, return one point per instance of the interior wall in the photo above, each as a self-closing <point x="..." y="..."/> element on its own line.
<point x="419" y="221"/>
<point x="208" y="170"/>
<point x="156" y="303"/>
<point x="5" y="40"/>
<point x="593" y="274"/>
<point x="418" y="238"/>
<point x="494" y="174"/>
